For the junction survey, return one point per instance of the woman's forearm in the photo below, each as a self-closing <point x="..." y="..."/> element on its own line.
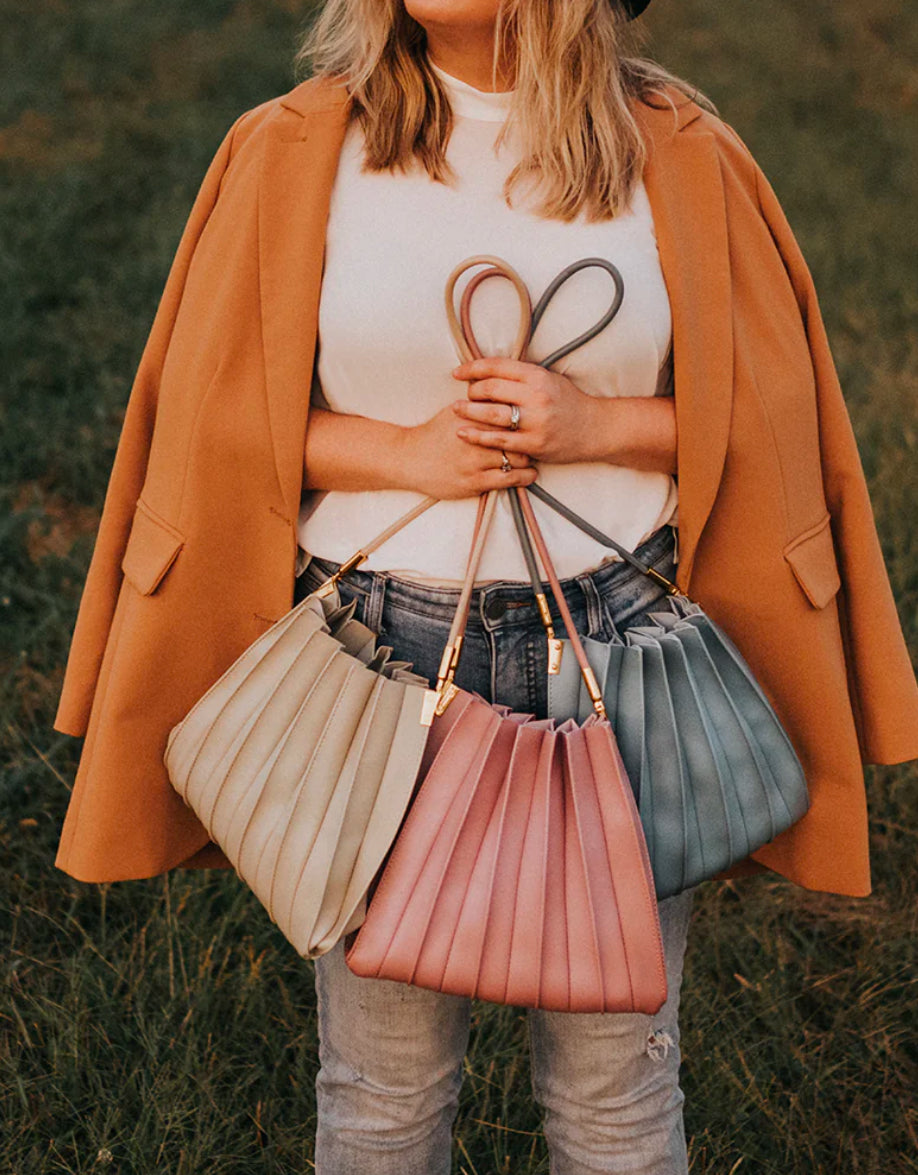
<point x="637" y="431"/>
<point x="355" y="453"/>
<point x="344" y="452"/>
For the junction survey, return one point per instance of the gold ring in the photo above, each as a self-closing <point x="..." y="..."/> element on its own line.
<point x="505" y="466"/>
<point x="514" y="417"/>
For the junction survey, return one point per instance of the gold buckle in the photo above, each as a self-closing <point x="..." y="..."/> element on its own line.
<point x="446" y="696"/>
<point x="326" y="589"/>
<point x="436" y="701"/>
<point x="672" y="588"/>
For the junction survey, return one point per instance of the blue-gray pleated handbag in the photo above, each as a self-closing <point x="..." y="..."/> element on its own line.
<point x="714" y="773"/>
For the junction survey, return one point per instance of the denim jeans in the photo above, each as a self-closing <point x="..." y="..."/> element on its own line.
<point x="391" y="1053"/>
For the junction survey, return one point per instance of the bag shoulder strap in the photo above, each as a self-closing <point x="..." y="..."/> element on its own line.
<point x="587" y="527"/>
<point x="446" y="687"/>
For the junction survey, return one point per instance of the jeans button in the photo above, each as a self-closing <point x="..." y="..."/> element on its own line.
<point x="495" y="608"/>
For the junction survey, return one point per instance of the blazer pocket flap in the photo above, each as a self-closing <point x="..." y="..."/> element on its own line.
<point x="151" y="550"/>
<point x="813" y="561"/>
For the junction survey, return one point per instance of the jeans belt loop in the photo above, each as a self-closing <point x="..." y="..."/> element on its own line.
<point x="373" y="609"/>
<point x="593" y="603"/>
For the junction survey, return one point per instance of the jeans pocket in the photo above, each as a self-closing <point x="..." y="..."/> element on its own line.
<point x="418" y="639"/>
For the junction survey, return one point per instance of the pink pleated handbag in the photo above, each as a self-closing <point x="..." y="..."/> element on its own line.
<point x="520" y="873"/>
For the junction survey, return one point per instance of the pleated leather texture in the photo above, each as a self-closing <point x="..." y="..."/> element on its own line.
<point x="714" y="772"/>
<point x="300" y="762"/>
<point x="520" y="874"/>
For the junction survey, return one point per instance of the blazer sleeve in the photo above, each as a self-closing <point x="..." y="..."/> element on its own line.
<point x="881" y="679"/>
<point x="103" y="581"/>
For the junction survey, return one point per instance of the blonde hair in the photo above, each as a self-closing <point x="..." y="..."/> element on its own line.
<point x="575" y="81"/>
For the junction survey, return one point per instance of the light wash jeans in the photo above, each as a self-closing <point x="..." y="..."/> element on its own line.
<point x="391" y="1053"/>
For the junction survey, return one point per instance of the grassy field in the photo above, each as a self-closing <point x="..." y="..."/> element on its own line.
<point x="165" y="1026"/>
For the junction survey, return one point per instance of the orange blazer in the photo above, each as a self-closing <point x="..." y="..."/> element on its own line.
<point x="195" y="551"/>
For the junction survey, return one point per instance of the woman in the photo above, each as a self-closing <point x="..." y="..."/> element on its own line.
<point x="218" y="482"/>
<point x="391" y="1055"/>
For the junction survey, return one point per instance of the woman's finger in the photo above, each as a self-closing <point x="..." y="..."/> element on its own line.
<point x="513" y="442"/>
<point x="496" y="479"/>
<point x="502" y="390"/>
<point x="500" y="415"/>
<point x="501" y="366"/>
<point x="517" y="460"/>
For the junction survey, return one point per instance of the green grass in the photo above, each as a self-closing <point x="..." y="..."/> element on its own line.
<point x="165" y="1026"/>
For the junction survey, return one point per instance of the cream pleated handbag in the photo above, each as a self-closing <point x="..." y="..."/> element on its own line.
<point x="300" y="761"/>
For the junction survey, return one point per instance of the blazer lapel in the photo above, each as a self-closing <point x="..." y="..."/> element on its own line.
<point x="298" y="170"/>
<point x="686" y="195"/>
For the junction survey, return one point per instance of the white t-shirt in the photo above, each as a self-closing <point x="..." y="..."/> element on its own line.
<point x="385" y="349"/>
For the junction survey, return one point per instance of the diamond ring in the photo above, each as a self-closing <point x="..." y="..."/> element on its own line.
<point x="505" y="466"/>
<point x="514" y="417"/>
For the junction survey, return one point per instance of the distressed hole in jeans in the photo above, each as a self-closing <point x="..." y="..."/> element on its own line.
<point x="659" y="1042"/>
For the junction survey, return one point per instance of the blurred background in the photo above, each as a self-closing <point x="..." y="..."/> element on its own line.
<point x="165" y="1026"/>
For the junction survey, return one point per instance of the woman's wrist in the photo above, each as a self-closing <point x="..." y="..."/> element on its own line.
<point x="354" y="453"/>
<point x="637" y="431"/>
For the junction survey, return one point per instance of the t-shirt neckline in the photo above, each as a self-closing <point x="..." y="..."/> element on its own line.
<point x="468" y="102"/>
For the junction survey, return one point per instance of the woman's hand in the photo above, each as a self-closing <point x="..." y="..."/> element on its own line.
<point x="560" y="423"/>
<point x="434" y="460"/>
<point x="556" y="418"/>
<point x="354" y="453"/>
